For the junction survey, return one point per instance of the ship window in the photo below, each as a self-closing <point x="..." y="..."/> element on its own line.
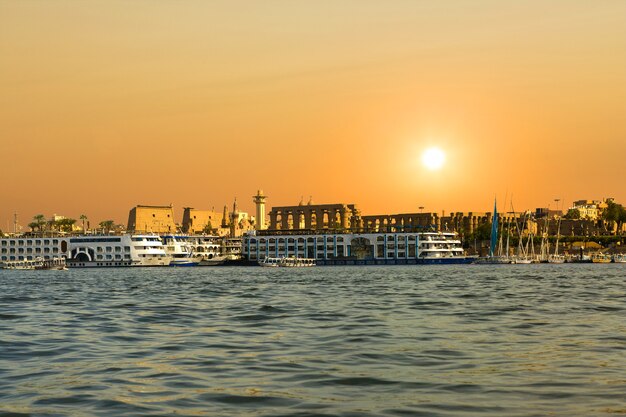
<point x="109" y="249"/>
<point x="126" y="248"/>
<point x="118" y="249"/>
<point x="29" y="242"/>
<point x="4" y="243"/>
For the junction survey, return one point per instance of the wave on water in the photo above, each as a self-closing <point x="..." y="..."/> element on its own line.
<point x="337" y="341"/>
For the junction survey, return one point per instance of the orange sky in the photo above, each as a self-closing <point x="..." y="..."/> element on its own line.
<point x="109" y="104"/>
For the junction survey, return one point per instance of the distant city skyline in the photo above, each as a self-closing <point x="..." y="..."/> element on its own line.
<point x="110" y="104"/>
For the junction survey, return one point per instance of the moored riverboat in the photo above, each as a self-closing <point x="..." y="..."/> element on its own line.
<point x="376" y="248"/>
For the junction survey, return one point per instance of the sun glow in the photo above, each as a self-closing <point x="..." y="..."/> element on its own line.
<point x="433" y="158"/>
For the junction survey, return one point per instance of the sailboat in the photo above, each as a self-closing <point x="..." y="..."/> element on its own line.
<point x="522" y="253"/>
<point x="555" y="258"/>
<point x="492" y="258"/>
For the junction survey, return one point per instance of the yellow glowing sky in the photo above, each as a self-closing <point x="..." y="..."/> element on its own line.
<point x="109" y="104"/>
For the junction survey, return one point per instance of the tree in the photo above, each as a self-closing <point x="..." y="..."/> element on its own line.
<point x="65" y="225"/>
<point x="614" y="214"/>
<point x="40" y="220"/>
<point x="53" y="225"/>
<point x="84" y="219"/>
<point x="572" y="214"/>
<point x="107" y="225"/>
<point x="208" y="229"/>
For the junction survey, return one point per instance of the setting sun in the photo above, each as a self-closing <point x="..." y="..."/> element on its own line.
<point x="433" y="158"/>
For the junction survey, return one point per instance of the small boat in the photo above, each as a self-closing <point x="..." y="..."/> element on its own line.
<point x="556" y="259"/>
<point x="270" y="262"/>
<point x="619" y="258"/>
<point x="600" y="258"/>
<point x="289" y="262"/>
<point x="294" y="262"/>
<point x="57" y="264"/>
<point x="521" y="260"/>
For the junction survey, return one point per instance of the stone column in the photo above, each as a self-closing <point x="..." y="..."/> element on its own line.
<point x="273" y="220"/>
<point x="344" y="217"/>
<point x="285" y="220"/>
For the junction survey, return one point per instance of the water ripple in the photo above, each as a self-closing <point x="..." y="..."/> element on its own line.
<point x="371" y="341"/>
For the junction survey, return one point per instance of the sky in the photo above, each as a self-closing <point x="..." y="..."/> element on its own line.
<point x="105" y="105"/>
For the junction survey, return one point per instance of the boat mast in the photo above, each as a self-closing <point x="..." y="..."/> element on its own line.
<point x="494" y="229"/>
<point x="558" y="230"/>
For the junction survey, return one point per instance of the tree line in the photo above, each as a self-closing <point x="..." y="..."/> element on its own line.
<point x="41" y="225"/>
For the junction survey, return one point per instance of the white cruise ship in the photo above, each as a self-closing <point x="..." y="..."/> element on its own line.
<point x="207" y="248"/>
<point x="116" y="251"/>
<point x="181" y="250"/>
<point x="358" y="249"/>
<point x="87" y="251"/>
<point x="30" y="248"/>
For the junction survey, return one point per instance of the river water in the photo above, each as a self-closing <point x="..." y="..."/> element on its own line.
<point x="472" y="340"/>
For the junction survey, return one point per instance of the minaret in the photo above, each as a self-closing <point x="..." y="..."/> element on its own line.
<point x="259" y="200"/>
<point x="234" y="219"/>
<point x="225" y="222"/>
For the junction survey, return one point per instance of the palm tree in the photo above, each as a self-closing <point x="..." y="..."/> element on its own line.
<point x="40" y="220"/>
<point x="84" y="219"/>
<point x="53" y="225"/>
<point x="107" y="225"/>
<point x="66" y="225"/>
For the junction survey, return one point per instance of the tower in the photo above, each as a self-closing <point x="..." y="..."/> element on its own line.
<point x="234" y="219"/>
<point x="225" y="222"/>
<point x="259" y="200"/>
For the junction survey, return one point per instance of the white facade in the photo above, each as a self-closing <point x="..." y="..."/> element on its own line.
<point x="413" y="247"/>
<point x="88" y="251"/>
<point x="30" y="248"/>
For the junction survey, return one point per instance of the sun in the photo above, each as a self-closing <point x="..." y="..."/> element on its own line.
<point x="433" y="158"/>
